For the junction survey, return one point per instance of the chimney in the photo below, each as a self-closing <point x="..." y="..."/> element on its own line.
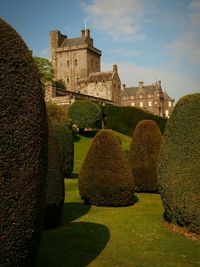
<point x="83" y="33"/>
<point x="115" y="68"/>
<point x="141" y="84"/>
<point x="159" y="82"/>
<point x="87" y="33"/>
<point x="123" y="86"/>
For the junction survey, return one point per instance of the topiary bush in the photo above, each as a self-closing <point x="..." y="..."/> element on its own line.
<point x="60" y="125"/>
<point x="179" y="164"/>
<point x="23" y="151"/>
<point x="105" y="178"/>
<point x="125" y="119"/>
<point x="55" y="189"/>
<point x="143" y="155"/>
<point x="85" y="114"/>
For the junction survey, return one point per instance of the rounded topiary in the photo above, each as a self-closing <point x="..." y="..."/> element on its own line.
<point x="23" y="151"/>
<point x="143" y="155"/>
<point x="105" y="178"/>
<point x="85" y="114"/>
<point x="55" y="189"/>
<point x="60" y="126"/>
<point x="179" y="164"/>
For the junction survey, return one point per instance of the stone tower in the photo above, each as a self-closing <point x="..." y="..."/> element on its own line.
<point x="73" y="58"/>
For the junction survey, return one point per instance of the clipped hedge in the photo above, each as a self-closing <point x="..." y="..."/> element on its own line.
<point x="55" y="189"/>
<point x="144" y="150"/>
<point x="105" y="178"/>
<point x="85" y="114"/>
<point x="23" y="151"/>
<point x="179" y="164"/>
<point x="125" y="119"/>
<point x="60" y="125"/>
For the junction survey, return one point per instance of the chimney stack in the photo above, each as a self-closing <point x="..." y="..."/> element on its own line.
<point x="83" y="33"/>
<point x="141" y="83"/>
<point x="115" y="68"/>
<point x="87" y="33"/>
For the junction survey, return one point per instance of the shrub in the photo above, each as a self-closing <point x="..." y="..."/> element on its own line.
<point x="55" y="191"/>
<point x="23" y="151"/>
<point x="60" y="125"/>
<point x="143" y="155"/>
<point x="179" y="164"/>
<point x="125" y="119"/>
<point x="66" y="145"/>
<point x="85" y="114"/>
<point x="105" y="178"/>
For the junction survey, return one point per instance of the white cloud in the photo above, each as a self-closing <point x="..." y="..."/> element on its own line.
<point x="175" y="84"/>
<point x="118" y="18"/>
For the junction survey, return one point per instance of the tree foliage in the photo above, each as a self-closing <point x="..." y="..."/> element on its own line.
<point x="45" y="69"/>
<point x="85" y="114"/>
<point x="23" y="151"/>
<point x="105" y="178"/>
<point x="179" y="164"/>
<point x="144" y="150"/>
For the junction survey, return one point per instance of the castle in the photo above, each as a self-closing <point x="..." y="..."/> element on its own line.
<point x="78" y="63"/>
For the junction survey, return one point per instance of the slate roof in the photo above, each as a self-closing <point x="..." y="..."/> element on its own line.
<point x="100" y="76"/>
<point x="147" y="89"/>
<point x="73" y="42"/>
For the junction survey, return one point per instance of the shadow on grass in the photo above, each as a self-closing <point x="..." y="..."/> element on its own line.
<point x="74" y="245"/>
<point x="76" y="138"/>
<point x="73" y="211"/>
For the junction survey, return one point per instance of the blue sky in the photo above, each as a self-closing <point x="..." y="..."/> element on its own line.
<point x="149" y="40"/>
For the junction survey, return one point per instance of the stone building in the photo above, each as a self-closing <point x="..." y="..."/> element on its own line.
<point x="149" y="97"/>
<point x="78" y="63"/>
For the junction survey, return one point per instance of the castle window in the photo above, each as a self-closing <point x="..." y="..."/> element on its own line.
<point x="167" y="113"/>
<point x="150" y="104"/>
<point x="169" y="103"/>
<point x="67" y="63"/>
<point x="67" y="80"/>
<point x="149" y="95"/>
<point x="132" y="97"/>
<point x="141" y="96"/>
<point x="96" y="81"/>
<point x="132" y="104"/>
<point x="75" y="62"/>
<point x="155" y="102"/>
<point x="141" y="104"/>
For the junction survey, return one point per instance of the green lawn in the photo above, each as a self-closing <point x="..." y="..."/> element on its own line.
<point x="111" y="237"/>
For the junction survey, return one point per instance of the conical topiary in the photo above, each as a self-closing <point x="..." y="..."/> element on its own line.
<point x="55" y="188"/>
<point x="179" y="164"/>
<point x="23" y="151"/>
<point x="105" y="178"/>
<point x="144" y="151"/>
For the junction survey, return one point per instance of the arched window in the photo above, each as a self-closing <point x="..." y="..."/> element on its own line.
<point x="75" y="62"/>
<point x="67" y="63"/>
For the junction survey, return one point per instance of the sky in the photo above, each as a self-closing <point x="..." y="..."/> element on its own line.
<point x="149" y="40"/>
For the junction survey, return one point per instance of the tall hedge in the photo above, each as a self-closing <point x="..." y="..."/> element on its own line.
<point x="125" y="119"/>
<point x="85" y="114"/>
<point x="179" y="164"/>
<point x="105" y="178"/>
<point x="23" y="151"/>
<point x="144" y="150"/>
<point x="55" y="189"/>
<point x="60" y="125"/>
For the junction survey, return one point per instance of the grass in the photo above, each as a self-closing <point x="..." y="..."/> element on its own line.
<point x="112" y="237"/>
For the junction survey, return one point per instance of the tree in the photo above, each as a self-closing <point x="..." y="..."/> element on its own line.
<point x="85" y="114"/>
<point x="179" y="164"/>
<point x="23" y="151"/>
<point x="144" y="150"/>
<point x="105" y="178"/>
<point x="45" y="69"/>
